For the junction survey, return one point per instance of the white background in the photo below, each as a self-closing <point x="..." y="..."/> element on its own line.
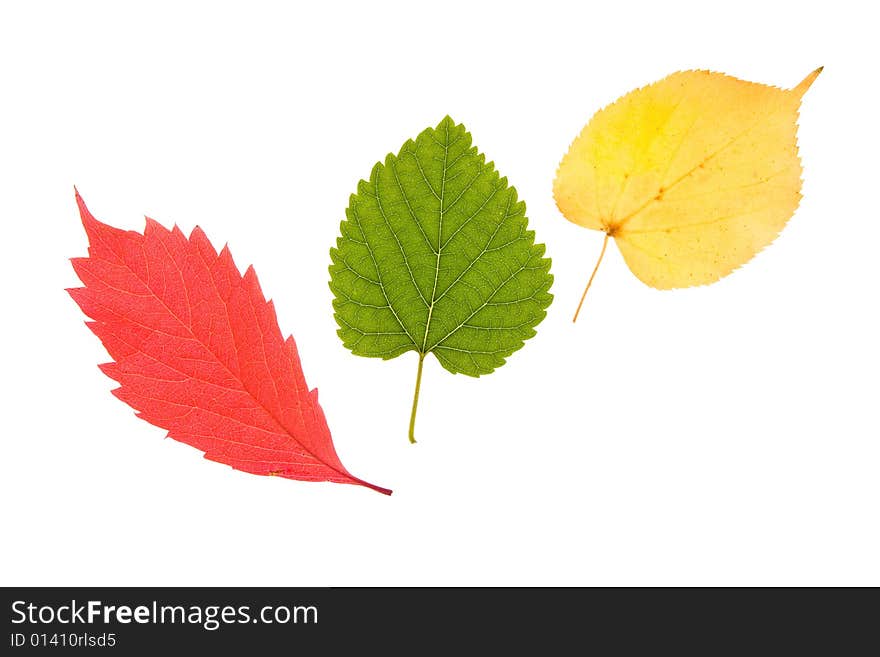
<point x="719" y="435"/>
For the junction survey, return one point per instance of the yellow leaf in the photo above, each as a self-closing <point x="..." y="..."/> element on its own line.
<point x="691" y="175"/>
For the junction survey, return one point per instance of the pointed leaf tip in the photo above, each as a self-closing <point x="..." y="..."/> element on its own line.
<point x="80" y="203"/>
<point x="447" y="122"/>
<point x="807" y="82"/>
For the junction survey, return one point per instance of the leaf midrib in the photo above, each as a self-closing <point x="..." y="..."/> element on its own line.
<point x="439" y="239"/>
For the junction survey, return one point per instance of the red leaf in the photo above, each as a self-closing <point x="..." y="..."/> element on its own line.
<point x="198" y="351"/>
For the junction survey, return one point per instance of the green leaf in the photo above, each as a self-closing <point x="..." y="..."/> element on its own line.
<point x="436" y="257"/>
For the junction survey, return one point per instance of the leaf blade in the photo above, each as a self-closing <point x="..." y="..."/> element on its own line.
<point x="426" y="243"/>
<point x="197" y="351"/>
<point x="692" y="175"/>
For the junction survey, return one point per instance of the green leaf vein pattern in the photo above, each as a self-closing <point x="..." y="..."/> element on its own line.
<point x="435" y="256"/>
